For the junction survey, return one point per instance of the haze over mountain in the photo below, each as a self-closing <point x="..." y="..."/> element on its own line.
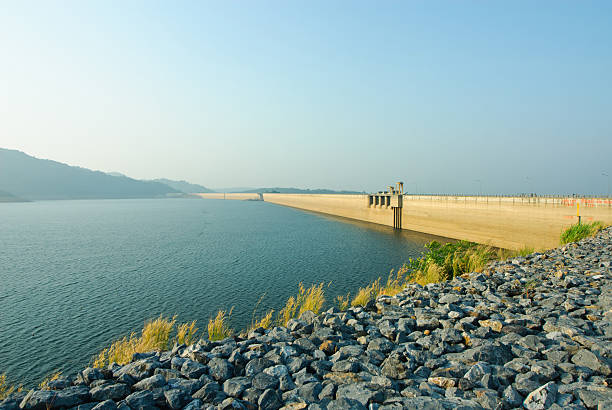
<point x="184" y="186"/>
<point x="296" y="191"/>
<point x="32" y="178"/>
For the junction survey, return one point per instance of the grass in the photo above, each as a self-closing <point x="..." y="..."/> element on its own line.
<point x="7" y="389"/>
<point x="186" y="333"/>
<point x="307" y="299"/>
<point x="445" y="261"/>
<point x="344" y="301"/>
<point x="155" y="335"/>
<point x="44" y="385"/>
<point x="218" y="327"/>
<point x="577" y="232"/>
<point x="503" y="254"/>
<point x="364" y="295"/>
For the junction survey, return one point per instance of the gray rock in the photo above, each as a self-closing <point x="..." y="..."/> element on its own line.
<point x="141" y="400"/>
<point x="263" y="381"/>
<point x="115" y="391"/>
<point x="589" y="359"/>
<point x="42" y="399"/>
<point x="105" y="405"/>
<point x="541" y="398"/>
<point x="310" y="391"/>
<point x="360" y="392"/>
<point x="256" y="365"/>
<point x="192" y="369"/>
<point x="176" y="398"/>
<point x="269" y="400"/>
<point x="276" y="371"/>
<point x="235" y="386"/>
<point x="220" y="369"/>
<point x="157" y="380"/>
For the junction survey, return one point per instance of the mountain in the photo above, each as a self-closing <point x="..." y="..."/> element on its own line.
<point x="8" y="197"/>
<point x="184" y="186"/>
<point x="32" y="178"/>
<point x="298" y="191"/>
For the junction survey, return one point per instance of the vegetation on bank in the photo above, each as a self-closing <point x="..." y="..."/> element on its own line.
<point x="578" y="232"/>
<point x="439" y="262"/>
<point x="6" y="388"/>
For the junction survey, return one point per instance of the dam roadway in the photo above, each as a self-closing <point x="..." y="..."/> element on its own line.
<point x="501" y="221"/>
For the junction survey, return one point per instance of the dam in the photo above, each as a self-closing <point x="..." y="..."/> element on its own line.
<point x="510" y="222"/>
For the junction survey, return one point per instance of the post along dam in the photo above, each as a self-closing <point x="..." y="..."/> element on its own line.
<point x="510" y="222"/>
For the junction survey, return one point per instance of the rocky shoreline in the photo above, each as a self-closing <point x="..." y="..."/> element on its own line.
<point x="530" y="332"/>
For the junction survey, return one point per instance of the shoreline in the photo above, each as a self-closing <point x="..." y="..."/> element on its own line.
<point x="536" y="328"/>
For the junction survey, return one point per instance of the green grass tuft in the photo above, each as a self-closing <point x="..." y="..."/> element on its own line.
<point x="577" y="232"/>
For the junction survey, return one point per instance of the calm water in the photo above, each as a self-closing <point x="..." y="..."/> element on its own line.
<point x="74" y="275"/>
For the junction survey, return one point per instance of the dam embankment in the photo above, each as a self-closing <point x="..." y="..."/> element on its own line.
<point x="505" y="222"/>
<point x="532" y="332"/>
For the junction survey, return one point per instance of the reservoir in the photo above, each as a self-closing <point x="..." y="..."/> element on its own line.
<point x="76" y="275"/>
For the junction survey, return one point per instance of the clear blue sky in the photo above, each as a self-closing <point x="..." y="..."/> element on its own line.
<point x="445" y="95"/>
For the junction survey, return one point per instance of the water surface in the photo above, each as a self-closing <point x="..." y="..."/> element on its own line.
<point x="75" y="275"/>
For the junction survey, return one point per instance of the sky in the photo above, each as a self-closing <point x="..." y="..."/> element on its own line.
<point x="446" y="96"/>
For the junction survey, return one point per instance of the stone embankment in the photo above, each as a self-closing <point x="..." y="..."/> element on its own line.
<point x="530" y="332"/>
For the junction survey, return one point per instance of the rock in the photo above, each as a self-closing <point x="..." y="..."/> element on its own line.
<point x="359" y="392"/>
<point x="310" y="391"/>
<point x="157" y="380"/>
<point x="541" y="398"/>
<point x="235" y="386"/>
<point x="142" y="400"/>
<point x="105" y="405"/>
<point x="42" y="399"/>
<point x="220" y="369"/>
<point x="115" y="391"/>
<point x="269" y="400"/>
<point x="256" y="365"/>
<point x="589" y="359"/>
<point x="92" y="374"/>
<point x="176" y="398"/>
<point x="208" y="392"/>
<point x="192" y="369"/>
<point x="345" y="404"/>
<point x="263" y="381"/>
<point x="276" y="371"/>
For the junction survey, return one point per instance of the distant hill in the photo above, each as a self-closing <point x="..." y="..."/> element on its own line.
<point x="184" y="186"/>
<point x="8" y="197"/>
<point x="31" y="178"/>
<point x="298" y="191"/>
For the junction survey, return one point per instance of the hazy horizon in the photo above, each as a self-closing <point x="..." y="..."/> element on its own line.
<point x="448" y="97"/>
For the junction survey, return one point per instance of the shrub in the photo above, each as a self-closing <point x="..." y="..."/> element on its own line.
<point x="577" y="232"/>
<point x="218" y="328"/>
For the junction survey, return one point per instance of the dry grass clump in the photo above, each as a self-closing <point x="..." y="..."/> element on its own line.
<point x="7" y="389"/>
<point x="44" y="385"/>
<point x="364" y="295"/>
<point x="186" y="333"/>
<point x="306" y="299"/>
<point x="344" y="301"/>
<point x="155" y="335"/>
<point x="432" y="274"/>
<point x="218" y="328"/>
